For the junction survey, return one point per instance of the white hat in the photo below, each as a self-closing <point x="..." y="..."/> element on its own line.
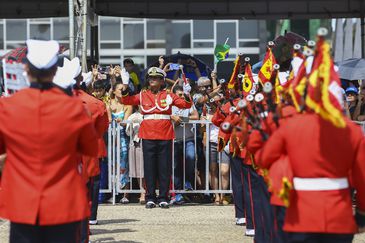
<point x="66" y="74"/>
<point x="155" y="71"/>
<point x="42" y="54"/>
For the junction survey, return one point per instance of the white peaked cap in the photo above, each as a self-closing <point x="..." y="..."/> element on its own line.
<point x="65" y="76"/>
<point x="87" y="78"/>
<point x="42" y="54"/>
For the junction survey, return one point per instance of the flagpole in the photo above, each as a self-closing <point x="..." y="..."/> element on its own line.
<point x="225" y="43"/>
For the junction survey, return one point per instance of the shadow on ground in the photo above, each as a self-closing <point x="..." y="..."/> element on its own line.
<point x="115" y="221"/>
<point x="111" y="231"/>
<point x="112" y="240"/>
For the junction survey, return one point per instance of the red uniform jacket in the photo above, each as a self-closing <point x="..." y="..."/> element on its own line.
<point x="42" y="132"/>
<point x="317" y="149"/>
<point x="159" y="129"/>
<point x="235" y="137"/>
<point x="99" y="116"/>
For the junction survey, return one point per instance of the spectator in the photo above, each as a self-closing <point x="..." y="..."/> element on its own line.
<point x="352" y="100"/>
<point x="206" y="89"/>
<point x="218" y="167"/>
<point x="359" y="114"/>
<point x="133" y="73"/>
<point x="135" y="151"/>
<point x="179" y="117"/>
<point x="120" y="113"/>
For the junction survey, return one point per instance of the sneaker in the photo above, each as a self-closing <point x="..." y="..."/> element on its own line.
<point x="188" y="186"/>
<point x="250" y="232"/>
<point x="93" y="222"/>
<point x="150" y="204"/>
<point x="240" y="221"/>
<point x="163" y="205"/>
<point x="124" y="200"/>
<point x="177" y="200"/>
<point x="226" y="200"/>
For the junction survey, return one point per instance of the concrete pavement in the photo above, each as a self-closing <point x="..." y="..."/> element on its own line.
<point x="188" y="223"/>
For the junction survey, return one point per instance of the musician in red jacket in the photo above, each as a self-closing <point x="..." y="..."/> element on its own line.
<point x="42" y="131"/>
<point x="224" y="115"/>
<point x="157" y="132"/>
<point x="322" y="158"/>
<point x="99" y="116"/>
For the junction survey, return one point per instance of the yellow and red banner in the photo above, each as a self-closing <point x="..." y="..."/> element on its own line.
<point x="324" y="94"/>
<point x="233" y="80"/>
<point x="267" y="69"/>
<point x="248" y="81"/>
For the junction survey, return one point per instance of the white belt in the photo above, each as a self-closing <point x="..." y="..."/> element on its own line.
<point x="320" y="184"/>
<point x="156" y="117"/>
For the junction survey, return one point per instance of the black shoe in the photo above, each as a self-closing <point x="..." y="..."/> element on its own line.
<point x="163" y="205"/>
<point x="150" y="204"/>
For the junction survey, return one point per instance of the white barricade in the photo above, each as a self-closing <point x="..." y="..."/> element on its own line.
<point x="118" y="142"/>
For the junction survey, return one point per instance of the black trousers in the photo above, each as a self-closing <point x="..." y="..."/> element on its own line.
<point x="280" y="236"/>
<point x="179" y="164"/>
<point x="157" y="159"/>
<point x="61" y="233"/>
<point x="258" y="210"/>
<point x="319" y="238"/>
<point x="94" y="187"/>
<point x="237" y="186"/>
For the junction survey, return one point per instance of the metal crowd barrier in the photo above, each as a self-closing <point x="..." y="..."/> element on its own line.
<point x="114" y="162"/>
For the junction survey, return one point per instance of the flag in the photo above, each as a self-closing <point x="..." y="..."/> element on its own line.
<point x="267" y="68"/>
<point x="221" y="52"/>
<point x="298" y="84"/>
<point x="233" y="79"/>
<point x="324" y="95"/>
<point x="248" y="81"/>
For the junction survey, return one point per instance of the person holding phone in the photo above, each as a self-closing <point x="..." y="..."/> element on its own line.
<point x="156" y="131"/>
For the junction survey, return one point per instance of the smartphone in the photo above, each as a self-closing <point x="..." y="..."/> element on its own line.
<point x="174" y="66"/>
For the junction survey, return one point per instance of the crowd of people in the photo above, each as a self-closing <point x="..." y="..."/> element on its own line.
<point x="283" y="135"/>
<point x="105" y="84"/>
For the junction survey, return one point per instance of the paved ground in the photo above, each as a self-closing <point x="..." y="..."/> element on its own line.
<point x="194" y="223"/>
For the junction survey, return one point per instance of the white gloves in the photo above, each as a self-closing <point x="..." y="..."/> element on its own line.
<point x="186" y="88"/>
<point x="125" y="76"/>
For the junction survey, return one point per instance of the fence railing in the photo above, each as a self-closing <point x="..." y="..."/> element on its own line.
<point x="120" y="147"/>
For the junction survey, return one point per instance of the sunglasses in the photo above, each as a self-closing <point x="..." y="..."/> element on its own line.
<point x="352" y="94"/>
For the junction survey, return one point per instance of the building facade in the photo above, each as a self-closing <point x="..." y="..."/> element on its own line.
<point x="144" y="40"/>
